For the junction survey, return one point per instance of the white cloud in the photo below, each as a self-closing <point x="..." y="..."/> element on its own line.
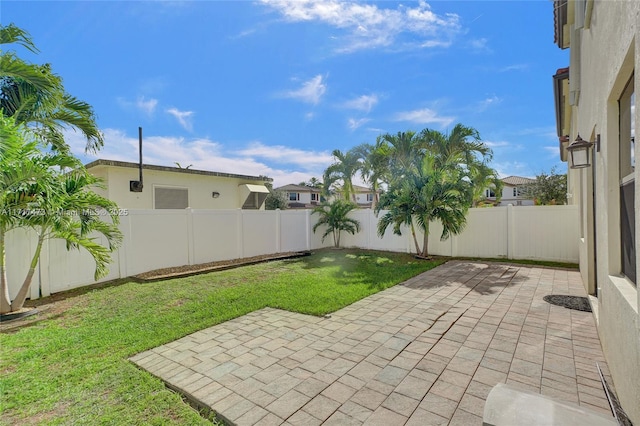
<point x="362" y="103"/>
<point x="184" y="118"/>
<point x="148" y="106"/>
<point x="310" y="92"/>
<point x="423" y="116"/>
<point x="355" y="123"/>
<point x="286" y="155"/>
<point x="488" y="102"/>
<point x="514" y="67"/>
<point x="498" y="144"/>
<point x="367" y="26"/>
<point x="480" y="45"/>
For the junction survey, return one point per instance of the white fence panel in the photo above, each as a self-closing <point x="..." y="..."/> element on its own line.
<point x="20" y="245"/>
<point x="157" y="239"/>
<point x="294" y="230"/>
<point x="259" y="232"/>
<point x="485" y="234"/>
<point x="546" y="233"/>
<point x="215" y="235"/>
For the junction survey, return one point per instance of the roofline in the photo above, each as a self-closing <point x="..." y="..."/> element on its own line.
<point x="126" y="164"/>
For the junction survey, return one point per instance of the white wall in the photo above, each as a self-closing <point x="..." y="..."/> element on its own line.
<point x="200" y="187"/>
<point x="155" y="239"/>
<point x="605" y="55"/>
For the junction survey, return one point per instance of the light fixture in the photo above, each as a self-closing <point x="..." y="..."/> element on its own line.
<point x="215" y="194"/>
<point x="580" y="152"/>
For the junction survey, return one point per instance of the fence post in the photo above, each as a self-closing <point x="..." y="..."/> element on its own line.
<point x="307" y="218"/>
<point x="125" y="228"/>
<point x="278" y="233"/>
<point x="511" y="232"/>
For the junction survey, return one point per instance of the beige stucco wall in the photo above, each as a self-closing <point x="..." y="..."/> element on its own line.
<point x="200" y="187"/>
<point x="609" y="52"/>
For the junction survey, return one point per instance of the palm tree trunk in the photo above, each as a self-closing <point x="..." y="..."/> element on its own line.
<point x="5" y="299"/>
<point x="18" y="302"/>
<point x="425" y="244"/>
<point x="415" y="239"/>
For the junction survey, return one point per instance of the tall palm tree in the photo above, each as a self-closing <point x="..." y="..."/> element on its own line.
<point x="343" y="170"/>
<point x="460" y="146"/>
<point x="432" y="192"/>
<point x="375" y="166"/>
<point x="335" y="217"/>
<point x="36" y="193"/>
<point x="35" y="96"/>
<point x="404" y="151"/>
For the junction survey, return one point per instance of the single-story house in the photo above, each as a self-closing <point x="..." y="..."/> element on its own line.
<point x="597" y="116"/>
<point x="177" y="188"/>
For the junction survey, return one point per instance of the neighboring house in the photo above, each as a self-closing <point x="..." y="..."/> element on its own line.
<point x="364" y="196"/>
<point x="300" y="196"/>
<point x="595" y="99"/>
<point x="512" y="192"/>
<point x="306" y="197"/>
<point x="178" y="188"/>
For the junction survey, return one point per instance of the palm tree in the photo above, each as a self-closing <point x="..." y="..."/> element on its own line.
<point x="482" y="177"/>
<point x="428" y="193"/>
<point x="463" y="148"/>
<point x="343" y="170"/>
<point x="335" y="217"/>
<point x="36" y="193"/>
<point x="404" y="151"/>
<point x="35" y="96"/>
<point x="375" y="167"/>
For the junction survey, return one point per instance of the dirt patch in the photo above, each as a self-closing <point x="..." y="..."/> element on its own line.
<point x="187" y="270"/>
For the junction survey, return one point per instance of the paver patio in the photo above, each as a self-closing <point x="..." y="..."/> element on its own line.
<point x="426" y="352"/>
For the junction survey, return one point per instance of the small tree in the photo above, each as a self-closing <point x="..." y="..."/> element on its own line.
<point x="335" y="217"/>
<point x="548" y="189"/>
<point x="35" y="193"/>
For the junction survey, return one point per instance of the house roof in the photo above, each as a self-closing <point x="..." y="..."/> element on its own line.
<point x="359" y="188"/>
<point x="113" y="163"/>
<point x="517" y="180"/>
<point x="298" y="188"/>
<point x="560" y="20"/>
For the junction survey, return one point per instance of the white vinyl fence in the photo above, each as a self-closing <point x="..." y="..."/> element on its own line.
<point x="155" y="239"/>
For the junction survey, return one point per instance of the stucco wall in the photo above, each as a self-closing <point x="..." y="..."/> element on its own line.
<point x="200" y="187"/>
<point x="609" y="52"/>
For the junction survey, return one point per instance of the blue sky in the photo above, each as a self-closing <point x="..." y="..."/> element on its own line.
<point x="271" y="88"/>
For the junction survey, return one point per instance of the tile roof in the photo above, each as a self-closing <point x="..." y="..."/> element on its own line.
<point x="517" y="180"/>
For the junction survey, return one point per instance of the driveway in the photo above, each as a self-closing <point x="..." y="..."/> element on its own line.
<point x="425" y="352"/>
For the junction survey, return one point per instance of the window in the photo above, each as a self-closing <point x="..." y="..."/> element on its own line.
<point x="369" y="198"/>
<point x="314" y="197"/>
<point x="170" y="198"/>
<point x="627" y="104"/>
<point x="489" y="193"/>
<point x="294" y="196"/>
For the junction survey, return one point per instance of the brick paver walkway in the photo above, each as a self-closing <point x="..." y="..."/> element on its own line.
<point x="426" y="352"/>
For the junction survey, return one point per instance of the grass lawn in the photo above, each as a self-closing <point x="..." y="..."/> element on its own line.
<point x="73" y="369"/>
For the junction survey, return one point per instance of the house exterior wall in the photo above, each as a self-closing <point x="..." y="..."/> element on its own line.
<point x="604" y="56"/>
<point x="200" y="187"/>
<point x="516" y="200"/>
<point x="304" y="197"/>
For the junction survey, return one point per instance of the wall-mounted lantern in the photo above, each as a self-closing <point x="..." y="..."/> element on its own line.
<point x="580" y="152"/>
